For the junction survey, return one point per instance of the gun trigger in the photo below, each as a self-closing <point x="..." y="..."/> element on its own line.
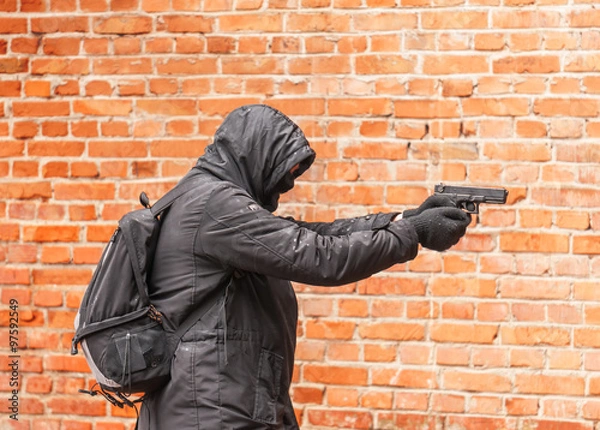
<point x="472" y="208"/>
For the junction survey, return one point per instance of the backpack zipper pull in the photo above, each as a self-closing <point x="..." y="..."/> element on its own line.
<point x="74" y="350"/>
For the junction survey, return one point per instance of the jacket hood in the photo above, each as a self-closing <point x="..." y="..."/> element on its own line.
<point x="255" y="148"/>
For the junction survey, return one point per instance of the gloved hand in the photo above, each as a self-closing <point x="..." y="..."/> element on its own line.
<point x="440" y="228"/>
<point x="434" y="201"/>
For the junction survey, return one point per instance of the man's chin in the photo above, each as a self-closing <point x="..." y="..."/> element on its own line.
<point x="272" y="204"/>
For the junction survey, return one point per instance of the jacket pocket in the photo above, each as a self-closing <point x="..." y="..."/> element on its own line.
<point x="267" y="387"/>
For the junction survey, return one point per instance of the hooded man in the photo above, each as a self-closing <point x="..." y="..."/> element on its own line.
<point x="233" y="368"/>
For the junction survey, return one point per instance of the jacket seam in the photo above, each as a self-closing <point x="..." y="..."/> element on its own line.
<point x="254" y="240"/>
<point x="272" y="251"/>
<point x="193" y="372"/>
<point x="195" y="262"/>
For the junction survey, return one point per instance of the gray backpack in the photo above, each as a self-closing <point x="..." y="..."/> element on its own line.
<point x="120" y="331"/>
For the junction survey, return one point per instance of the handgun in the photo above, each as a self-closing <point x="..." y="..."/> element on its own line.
<point x="469" y="198"/>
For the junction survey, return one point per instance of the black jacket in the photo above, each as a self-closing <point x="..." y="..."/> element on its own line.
<point x="233" y="369"/>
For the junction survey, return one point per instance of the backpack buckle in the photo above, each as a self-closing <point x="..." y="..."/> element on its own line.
<point x="154" y="314"/>
<point x="144" y="200"/>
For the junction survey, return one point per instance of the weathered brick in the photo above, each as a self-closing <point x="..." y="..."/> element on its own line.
<point x="339" y="375"/>
<point x="84" y="191"/>
<point x="124" y="96"/>
<point x="123" y="24"/>
<point x="38" y="109"/>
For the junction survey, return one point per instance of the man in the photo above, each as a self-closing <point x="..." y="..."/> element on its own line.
<point x="233" y="368"/>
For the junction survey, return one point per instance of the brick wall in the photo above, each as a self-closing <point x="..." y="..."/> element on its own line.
<point x="101" y="99"/>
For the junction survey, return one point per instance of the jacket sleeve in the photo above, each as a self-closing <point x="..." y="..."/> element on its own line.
<point x="348" y="225"/>
<point x="236" y="231"/>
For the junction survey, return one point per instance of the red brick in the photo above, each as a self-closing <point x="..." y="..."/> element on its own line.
<point x="8" y="6"/>
<point x="318" y="22"/>
<point x="60" y="66"/>
<point x="55" y="128"/>
<point x="527" y="64"/>
<point x="426" y="109"/>
<point x="56" y="148"/>
<point x="454" y="286"/>
<point x="123" y="24"/>
<point x="102" y="107"/>
<point x="39" y="385"/>
<point x="573" y="107"/>
<point x="535" y="336"/>
<point x="308" y="395"/>
<point x="178" y="148"/>
<point x="55" y="254"/>
<point x="534" y="242"/>
<point x="122" y="66"/>
<point x="454" y="20"/>
<point x="544" y="288"/>
<point x="384" y="64"/>
<point x="113" y="148"/>
<point x="39" y="109"/>
<point x="14" y="276"/>
<point x="328" y="417"/>
<point x="250" y="22"/>
<point x="403" y="378"/>
<point x="48" y="298"/>
<point x="37" y="88"/>
<point x="84" y="191"/>
<point x="61" y="46"/>
<point x="13" y="25"/>
<point x="81" y="407"/>
<point x="446" y="332"/>
<point x="167" y="107"/>
<point x="337" y="375"/>
<point x="584" y="18"/>
<point x="82" y="212"/>
<point x="323" y="65"/>
<point x="187" y="24"/>
<point x="22" y="295"/>
<point x="61" y="276"/>
<point x="455" y="64"/>
<point x="254" y="65"/>
<point x="33" y="190"/>
<point x="51" y="233"/>
<point x="544" y="384"/>
<point x="392" y="331"/>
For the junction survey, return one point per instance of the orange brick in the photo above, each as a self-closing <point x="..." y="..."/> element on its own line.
<point x="330" y="329"/>
<point x="360" y="420"/>
<point x="338" y="375"/>
<point x="403" y="378"/>
<point x="535" y="336"/>
<point x="308" y="395"/>
<point x="446" y="332"/>
<point x="426" y="109"/>
<point x="542" y="384"/>
<point x="392" y="331"/>
<point x="521" y="406"/>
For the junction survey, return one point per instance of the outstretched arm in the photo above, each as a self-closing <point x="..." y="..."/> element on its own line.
<point x="235" y="230"/>
<point x="348" y="225"/>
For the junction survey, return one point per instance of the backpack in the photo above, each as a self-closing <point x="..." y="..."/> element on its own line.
<point x="120" y="331"/>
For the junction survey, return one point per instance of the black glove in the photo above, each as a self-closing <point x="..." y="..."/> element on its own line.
<point x="440" y="228"/>
<point x="435" y="201"/>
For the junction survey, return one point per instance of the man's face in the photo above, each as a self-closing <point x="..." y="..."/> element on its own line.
<point x="294" y="169"/>
<point x="287" y="182"/>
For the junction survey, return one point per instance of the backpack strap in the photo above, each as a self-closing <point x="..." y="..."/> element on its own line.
<point x="157" y="208"/>
<point x="197" y="314"/>
<point x="180" y="189"/>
